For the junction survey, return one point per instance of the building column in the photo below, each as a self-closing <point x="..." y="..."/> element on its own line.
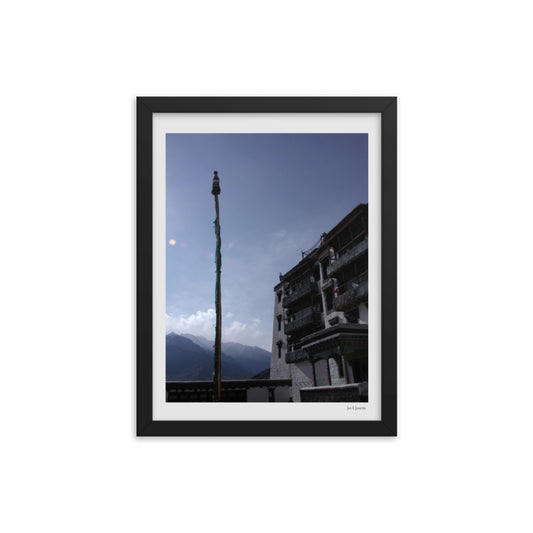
<point x="346" y="378"/>
<point x="324" y="302"/>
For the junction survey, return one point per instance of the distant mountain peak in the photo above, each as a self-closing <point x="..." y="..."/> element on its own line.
<point x="190" y="357"/>
<point x="199" y="340"/>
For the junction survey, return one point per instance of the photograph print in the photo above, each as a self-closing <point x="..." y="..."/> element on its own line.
<point x="266" y="273"/>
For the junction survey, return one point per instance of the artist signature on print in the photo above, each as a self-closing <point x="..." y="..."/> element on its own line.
<point x="356" y="407"/>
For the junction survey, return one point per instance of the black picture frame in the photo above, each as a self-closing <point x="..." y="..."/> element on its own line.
<point x="387" y="108"/>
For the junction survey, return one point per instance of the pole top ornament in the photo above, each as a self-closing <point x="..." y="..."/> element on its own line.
<point x="216" y="184"/>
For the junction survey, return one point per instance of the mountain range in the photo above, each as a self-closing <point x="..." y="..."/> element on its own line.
<point x="190" y="358"/>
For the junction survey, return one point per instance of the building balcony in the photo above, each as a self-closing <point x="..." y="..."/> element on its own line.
<point x="296" y="355"/>
<point x="303" y="289"/>
<point x="313" y="319"/>
<point x="347" y="258"/>
<point x="351" y="297"/>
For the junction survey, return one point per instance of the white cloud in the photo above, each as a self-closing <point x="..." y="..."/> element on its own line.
<point x="235" y="328"/>
<point x="203" y="323"/>
<point x="199" y="323"/>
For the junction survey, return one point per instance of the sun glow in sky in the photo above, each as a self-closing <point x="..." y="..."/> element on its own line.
<point x="279" y="192"/>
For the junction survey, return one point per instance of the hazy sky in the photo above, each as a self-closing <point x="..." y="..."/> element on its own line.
<point x="279" y="192"/>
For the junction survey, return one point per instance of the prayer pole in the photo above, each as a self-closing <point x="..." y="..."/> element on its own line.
<point x="215" y="191"/>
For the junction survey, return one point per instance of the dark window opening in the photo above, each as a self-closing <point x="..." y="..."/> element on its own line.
<point x="340" y="367"/>
<point x="352" y="316"/>
<point x="329" y="300"/>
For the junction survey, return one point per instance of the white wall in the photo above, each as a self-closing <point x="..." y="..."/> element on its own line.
<point x="321" y="369"/>
<point x="70" y="461"/>
<point x="363" y="313"/>
<point x="257" y="394"/>
<point x="260" y="394"/>
<point x="302" y="376"/>
<point x="282" y="394"/>
<point x="279" y="369"/>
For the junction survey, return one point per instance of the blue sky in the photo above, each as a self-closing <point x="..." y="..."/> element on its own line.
<point x="279" y="192"/>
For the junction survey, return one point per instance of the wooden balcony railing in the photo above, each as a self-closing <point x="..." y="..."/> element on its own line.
<point x="312" y="319"/>
<point x="303" y="289"/>
<point x="296" y="355"/>
<point x="347" y="258"/>
<point x="351" y="297"/>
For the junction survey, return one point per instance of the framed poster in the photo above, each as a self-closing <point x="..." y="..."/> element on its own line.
<point x="266" y="266"/>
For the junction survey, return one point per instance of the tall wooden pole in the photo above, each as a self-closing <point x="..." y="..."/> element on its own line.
<point x="218" y="334"/>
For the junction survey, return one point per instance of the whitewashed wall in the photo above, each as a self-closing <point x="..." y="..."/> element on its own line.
<point x="257" y="394"/>
<point x="302" y="376"/>
<point x="260" y="394"/>
<point x="279" y="369"/>
<point x="363" y="313"/>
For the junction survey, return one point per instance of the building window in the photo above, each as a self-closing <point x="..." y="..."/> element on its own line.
<point x="279" y="322"/>
<point x="279" y="344"/>
<point x="279" y="296"/>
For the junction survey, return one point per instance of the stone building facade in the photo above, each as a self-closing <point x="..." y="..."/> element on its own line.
<point x="320" y="330"/>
